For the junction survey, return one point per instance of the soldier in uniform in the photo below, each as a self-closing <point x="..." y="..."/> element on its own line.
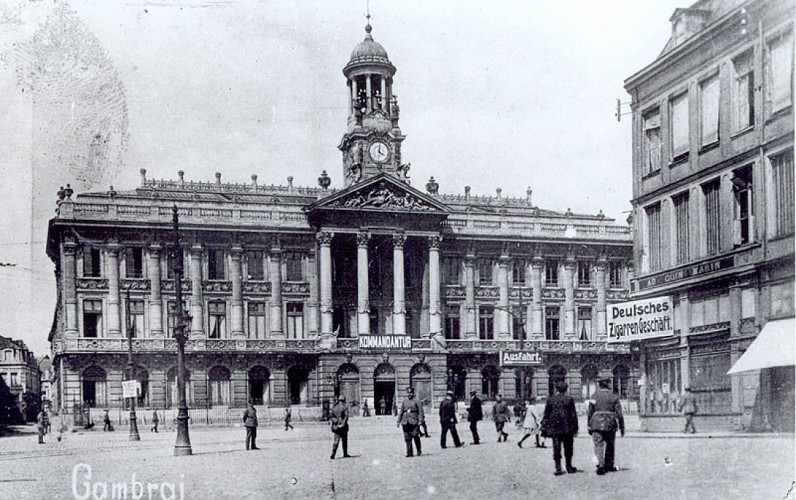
<point x="339" y="422"/>
<point x="41" y="419"/>
<point x="447" y="420"/>
<point x="474" y="414"/>
<point x="605" y="416"/>
<point x="500" y="414"/>
<point x="250" y="421"/>
<point x="689" y="408"/>
<point x="560" y="422"/>
<point x="409" y="417"/>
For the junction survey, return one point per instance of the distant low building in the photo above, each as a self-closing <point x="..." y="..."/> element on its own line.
<point x="46" y="371"/>
<point x="20" y="370"/>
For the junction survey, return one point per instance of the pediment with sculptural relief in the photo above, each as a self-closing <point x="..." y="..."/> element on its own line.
<point x="381" y="193"/>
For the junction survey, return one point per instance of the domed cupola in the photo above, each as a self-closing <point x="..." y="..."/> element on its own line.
<point x="372" y="144"/>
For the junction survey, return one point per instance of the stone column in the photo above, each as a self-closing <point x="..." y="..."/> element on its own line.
<point x="312" y="301"/>
<point x="69" y="277"/>
<point x="155" y="297"/>
<point x="383" y="94"/>
<point x="469" y="298"/>
<point x="599" y="276"/>
<point x="369" y="93"/>
<point x="114" y="317"/>
<point x="399" y="284"/>
<point x="354" y="91"/>
<point x="569" y="299"/>
<point x="275" y="269"/>
<point x="197" y="297"/>
<point x="236" y="275"/>
<point x="685" y="351"/>
<point x="434" y="311"/>
<point x="503" y="299"/>
<point x="363" y="290"/>
<point x="536" y="300"/>
<point x="324" y="239"/>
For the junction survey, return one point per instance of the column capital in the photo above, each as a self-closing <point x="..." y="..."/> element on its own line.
<point x="469" y="260"/>
<point x="196" y="250"/>
<point x="398" y="240"/>
<point x="70" y="248"/>
<point x="363" y="238"/>
<point x="503" y="260"/>
<point x="324" y="238"/>
<point x="435" y="242"/>
<point x="155" y="249"/>
<point x="599" y="265"/>
<point x="569" y="264"/>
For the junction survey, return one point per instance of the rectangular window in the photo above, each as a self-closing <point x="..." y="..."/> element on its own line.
<point x="91" y="262"/>
<point x="257" y="320"/>
<point x="782" y="187"/>
<point x="551" y="273"/>
<point x="14" y="379"/>
<point x="664" y="386"/>
<point x="584" y="323"/>
<point x="137" y="318"/>
<point x="652" y="142"/>
<point x="551" y="325"/>
<point x="682" y="227"/>
<point x="215" y="264"/>
<point x="711" y="191"/>
<point x="452" y="270"/>
<point x="654" y="236"/>
<point x="254" y="265"/>
<point x="518" y="272"/>
<point x="584" y="274"/>
<point x="293" y="266"/>
<point x="485" y="271"/>
<point x="680" y="131"/>
<point x="615" y="271"/>
<point x="92" y="318"/>
<point x="517" y="327"/>
<point x="172" y="317"/>
<point x="486" y="322"/>
<point x="709" y="110"/>
<point x="743" y="224"/>
<point x="217" y="315"/>
<point x="779" y="67"/>
<point x="295" y="320"/>
<point x="452" y="322"/>
<point x="134" y="262"/>
<point x="743" y="104"/>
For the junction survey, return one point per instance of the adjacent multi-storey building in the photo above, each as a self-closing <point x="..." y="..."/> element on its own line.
<point x="713" y="210"/>
<point x="20" y="370"/>
<point x="300" y="293"/>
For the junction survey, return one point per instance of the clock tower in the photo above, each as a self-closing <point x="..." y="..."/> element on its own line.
<point x="372" y="142"/>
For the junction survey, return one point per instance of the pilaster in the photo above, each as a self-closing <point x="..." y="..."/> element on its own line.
<point x="275" y="267"/>
<point x="155" y="296"/>
<point x="469" y="297"/>
<point x="324" y="239"/>
<point x="114" y="316"/>
<point x="197" y="299"/>
<point x="399" y="291"/>
<point x="236" y="275"/>
<point x="70" y="286"/>
<point x="434" y="308"/>
<point x="536" y="301"/>
<point x="569" y="298"/>
<point x="363" y="290"/>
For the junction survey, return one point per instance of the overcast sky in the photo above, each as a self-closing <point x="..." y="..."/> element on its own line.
<point x="508" y="94"/>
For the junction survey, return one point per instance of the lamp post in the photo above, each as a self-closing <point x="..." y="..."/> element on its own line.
<point x="134" y="436"/>
<point x="183" y="444"/>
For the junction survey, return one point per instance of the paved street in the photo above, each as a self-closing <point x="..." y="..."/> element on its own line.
<point x="296" y="464"/>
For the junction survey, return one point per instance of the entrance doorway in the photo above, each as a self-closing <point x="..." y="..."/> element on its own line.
<point x="523" y="383"/>
<point x="384" y="388"/>
<point x="348" y="385"/>
<point x="297" y="377"/>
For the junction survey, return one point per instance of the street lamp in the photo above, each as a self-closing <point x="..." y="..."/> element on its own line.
<point x="183" y="444"/>
<point x="134" y="436"/>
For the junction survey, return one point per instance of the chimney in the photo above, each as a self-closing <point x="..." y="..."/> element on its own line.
<point x="143" y="176"/>
<point x="290" y="183"/>
<point x="254" y="181"/>
<point x="528" y="193"/>
<point x="218" y="179"/>
<point x="467" y="194"/>
<point x="499" y="192"/>
<point x="181" y="175"/>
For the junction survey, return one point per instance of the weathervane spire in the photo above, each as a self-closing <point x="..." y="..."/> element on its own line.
<point x="368" y="28"/>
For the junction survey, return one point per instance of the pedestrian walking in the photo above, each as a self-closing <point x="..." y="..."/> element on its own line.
<point x="40" y="425"/>
<point x="106" y="419"/>
<point x="409" y="418"/>
<point x="519" y="412"/>
<point x="605" y="416"/>
<point x="531" y="423"/>
<point x="560" y="422"/>
<point x="288" y="417"/>
<point x="46" y="421"/>
<point x="501" y="415"/>
<point x="155" y="421"/>
<point x="250" y="422"/>
<point x="365" y="409"/>
<point x="339" y="421"/>
<point x="689" y="408"/>
<point x="448" y="421"/>
<point x="475" y="413"/>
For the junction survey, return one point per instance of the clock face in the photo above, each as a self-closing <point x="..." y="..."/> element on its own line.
<point x="379" y="152"/>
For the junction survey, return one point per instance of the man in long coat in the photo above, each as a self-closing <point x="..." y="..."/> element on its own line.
<point x="409" y="418"/>
<point x="339" y="421"/>
<point x="250" y="421"/>
<point x="605" y="416"/>
<point x="447" y="420"/>
<point x="560" y="422"/>
<point x="501" y="415"/>
<point x="689" y="408"/>
<point x="474" y="415"/>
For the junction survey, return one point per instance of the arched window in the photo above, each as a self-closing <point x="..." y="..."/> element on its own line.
<point x="555" y="375"/>
<point x="588" y="380"/>
<point x="621" y="384"/>
<point x="259" y="385"/>
<point x="490" y="378"/>
<point x="219" y="387"/>
<point x="95" y="387"/>
<point x="297" y="378"/>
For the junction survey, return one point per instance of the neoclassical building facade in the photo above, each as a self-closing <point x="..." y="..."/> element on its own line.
<point x="296" y="294"/>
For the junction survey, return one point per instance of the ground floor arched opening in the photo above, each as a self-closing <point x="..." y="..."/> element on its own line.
<point x="259" y="385"/>
<point x="348" y="384"/>
<point x="297" y="384"/>
<point x="95" y="387"/>
<point x="384" y="388"/>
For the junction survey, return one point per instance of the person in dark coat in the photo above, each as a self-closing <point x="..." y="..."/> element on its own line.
<point x="501" y="415"/>
<point x="409" y="418"/>
<point x="560" y="422"/>
<point x="339" y="421"/>
<point x="288" y="417"/>
<point x="474" y="415"/>
<point x="447" y="421"/>
<point x="106" y="419"/>
<point x="605" y="416"/>
<point x="689" y="408"/>
<point x="250" y="421"/>
<point x="41" y="424"/>
<point x="155" y="421"/>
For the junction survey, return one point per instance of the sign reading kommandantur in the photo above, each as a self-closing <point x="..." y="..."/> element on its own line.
<point x="640" y="319"/>
<point x="385" y="342"/>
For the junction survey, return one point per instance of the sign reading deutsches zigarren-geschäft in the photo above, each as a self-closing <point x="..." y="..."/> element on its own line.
<point x="640" y="319"/>
<point x="520" y="358"/>
<point x="385" y="342"/>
